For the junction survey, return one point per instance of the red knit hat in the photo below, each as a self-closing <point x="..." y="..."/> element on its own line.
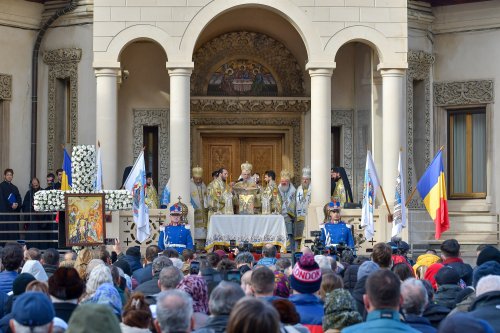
<point x="306" y="275"/>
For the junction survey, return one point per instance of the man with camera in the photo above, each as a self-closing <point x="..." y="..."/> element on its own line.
<point x="335" y="231"/>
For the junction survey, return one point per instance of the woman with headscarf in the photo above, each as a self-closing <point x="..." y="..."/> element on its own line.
<point x="35" y="268"/>
<point x="197" y="288"/>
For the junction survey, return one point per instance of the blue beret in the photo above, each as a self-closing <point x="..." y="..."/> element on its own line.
<point x="27" y="309"/>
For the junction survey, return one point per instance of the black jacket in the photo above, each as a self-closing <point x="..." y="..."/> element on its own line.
<point x="446" y="295"/>
<point x="487" y="307"/>
<point x="357" y="293"/>
<point x="350" y="277"/>
<point x="435" y="313"/>
<point x="214" y="324"/>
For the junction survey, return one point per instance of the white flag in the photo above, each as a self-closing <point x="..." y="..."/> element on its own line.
<point x="399" y="201"/>
<point x="369" y="195"/>
<point x="98" y="176"/>
<point x="135" y="183"/>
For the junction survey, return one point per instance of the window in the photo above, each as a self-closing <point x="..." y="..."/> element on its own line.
<point x="335" y="138"/>
<point x="467" y="153"/>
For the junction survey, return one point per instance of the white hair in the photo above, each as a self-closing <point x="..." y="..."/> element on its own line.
<point x="488" y="283"/>
<point x="99" y="275"/>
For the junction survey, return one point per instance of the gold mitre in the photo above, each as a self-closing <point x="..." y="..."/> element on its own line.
<point x="285" y="174"/>
<point x="246" y="166"/>
<point x="197" y="171"/>
<point x="306" y="172"/>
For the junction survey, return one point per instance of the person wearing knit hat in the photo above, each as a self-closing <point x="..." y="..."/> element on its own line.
<point x="364" y="271"/>
<point x="487" y="268"/>
<point x="65" y="288"/>
<point x="95" y="318"/>
<point x="464" y="322"/>
<point x="305" y="281"/>
<point x="447" y="279"/>
<point x="489" y="253"/>
<point x="340" y="310"/>
<point x="366" y="268"/>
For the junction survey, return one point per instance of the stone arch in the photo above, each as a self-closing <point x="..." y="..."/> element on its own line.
<point x="134" y="33"/>
<point x="285" y="8"/>
<point x="255" y="46"/>
<point x="369" y="36"/>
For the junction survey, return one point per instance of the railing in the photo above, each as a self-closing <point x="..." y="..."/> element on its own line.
<point x="37" y="229"/>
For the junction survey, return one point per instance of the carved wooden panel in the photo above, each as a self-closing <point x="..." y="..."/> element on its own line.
<point x="263" y="153"/>
<point x="220" y="152"/>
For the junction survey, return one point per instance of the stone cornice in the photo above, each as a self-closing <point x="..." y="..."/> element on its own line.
<point x="5" y="87"/>
<point x="253" y="104"/>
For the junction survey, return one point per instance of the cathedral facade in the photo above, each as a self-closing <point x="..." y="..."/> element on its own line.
<point x="281" y="83"/>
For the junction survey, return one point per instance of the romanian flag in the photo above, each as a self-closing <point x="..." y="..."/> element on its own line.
<point x="432" y="189"/>
<point x="66" y="181"/>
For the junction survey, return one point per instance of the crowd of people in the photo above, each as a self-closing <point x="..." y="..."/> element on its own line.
<point x="107" y="290"/>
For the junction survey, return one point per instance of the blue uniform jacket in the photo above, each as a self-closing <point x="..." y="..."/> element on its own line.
<point x="177" y="237"/>
<point x="336" y="233"/>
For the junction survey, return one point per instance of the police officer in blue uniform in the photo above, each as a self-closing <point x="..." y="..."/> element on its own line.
<point x="175" y="235"/>
<point x="335" y="231"/>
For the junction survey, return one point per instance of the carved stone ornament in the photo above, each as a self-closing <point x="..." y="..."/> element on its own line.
<point x="293" y="123"/>
<point x="5" y="87"/>
<point x="246" y="105"/>
<point x="247" y="45"/>
<point x="160" y="118"/>
<point x="419" y="69"/>
<point x="344" y="119"/>
<point x="63" y="64"/>
<point x="464" y="92"/>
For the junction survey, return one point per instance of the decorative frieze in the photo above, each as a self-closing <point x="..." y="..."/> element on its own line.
<point x="249" y="105"/>
<point x="419" y="69"/>
<point x="63" y="64"/>
<point x="344" y="119"/>
<point x="464" y="92"/>
<point x="5" y="87"/>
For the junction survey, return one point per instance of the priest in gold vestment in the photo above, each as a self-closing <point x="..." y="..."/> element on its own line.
<point x="272" y="193"/>
<point x="199" y="202"/>
<point x="303" y="199"/>
<point x="247" y="192"/>
<point x="215" y="192"/>
<point x="151" y="198"/>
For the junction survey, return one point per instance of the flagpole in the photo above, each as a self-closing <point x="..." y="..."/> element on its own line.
<point x="415" y="188"/>
<point x="386" y="204"/>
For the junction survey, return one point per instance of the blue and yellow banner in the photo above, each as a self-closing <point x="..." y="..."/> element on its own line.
<point x="432" y="189"/>
<point x="66" y="181"/>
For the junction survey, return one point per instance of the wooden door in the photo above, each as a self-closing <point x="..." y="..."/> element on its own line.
<point x="220" y="152"/>
<point x="263" y="152"/>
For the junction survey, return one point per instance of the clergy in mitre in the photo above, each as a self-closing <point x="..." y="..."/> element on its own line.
<point x="247" y="192"/>
<point x="199" y="202"/>
<point x="287" y="192"/>
<point x="302" y="201"/>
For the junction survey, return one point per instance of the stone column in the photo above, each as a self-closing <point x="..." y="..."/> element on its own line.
<point x="321" y="129"/>
<point x="393" y="127"/>
<point x="321" y="120"/>
<point x="106" y="123"/>
<point x="180" y="124"/>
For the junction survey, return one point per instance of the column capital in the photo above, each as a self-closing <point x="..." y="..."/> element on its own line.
<point x="311" y="65"/>
<point x="392" y="72"/>
<point x="109" y="71"/>
<point x="180" y="68"/>
<point x="320" y="72"/>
